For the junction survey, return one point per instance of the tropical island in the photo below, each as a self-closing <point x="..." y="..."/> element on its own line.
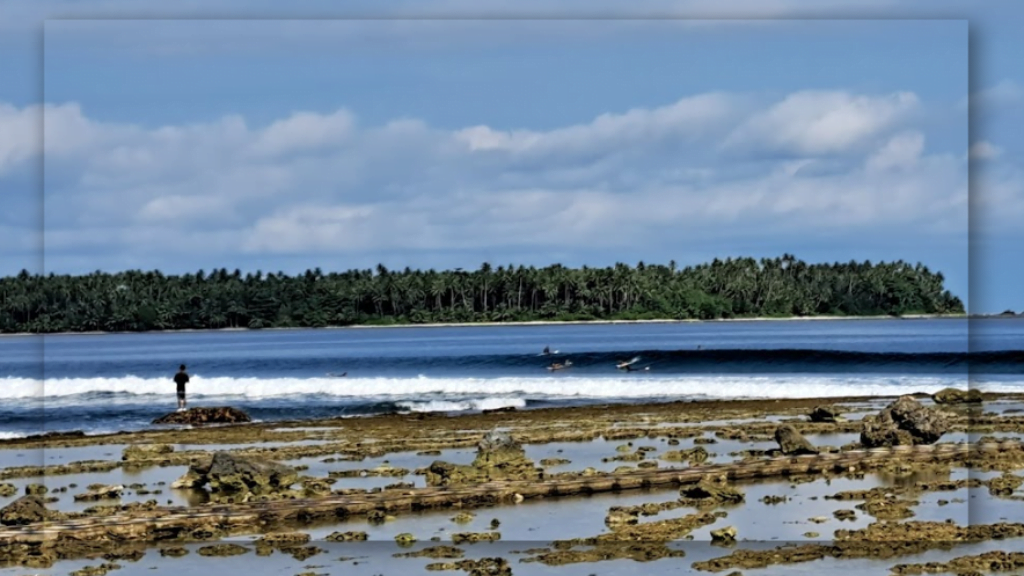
<point x="722" y="289"/>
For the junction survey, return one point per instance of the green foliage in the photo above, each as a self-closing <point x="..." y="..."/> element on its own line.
<point x="731" y="288"/>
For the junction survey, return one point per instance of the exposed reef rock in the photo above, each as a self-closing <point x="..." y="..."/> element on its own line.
<point x="829" y="414"/>
<point x="229" y="474"/>
<point x="498" y="457"/>
<point x="955" y="396"/>
<point x="905" y="422"/>
<point x="793" y="443"/>
<point x="28" y="509"/>
<point x="199" y="416"/>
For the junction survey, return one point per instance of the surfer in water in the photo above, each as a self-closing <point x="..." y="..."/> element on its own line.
<point x="180" y="379"/>
<point x="557" y="366"/>
<point x="547" y="350"/>
<point x="627" y="365"/>
<point x="629" y="368"/>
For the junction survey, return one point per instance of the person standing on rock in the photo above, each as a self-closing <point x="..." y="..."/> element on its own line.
<point x="181" y="378"/>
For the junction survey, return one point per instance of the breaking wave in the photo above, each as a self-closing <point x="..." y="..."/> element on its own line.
<point x="57" y="391"/>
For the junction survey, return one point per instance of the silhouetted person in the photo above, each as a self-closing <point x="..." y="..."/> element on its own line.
<point x="181" y="378"/>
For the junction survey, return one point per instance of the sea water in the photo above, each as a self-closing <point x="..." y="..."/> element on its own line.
<point x="112" y="382"/>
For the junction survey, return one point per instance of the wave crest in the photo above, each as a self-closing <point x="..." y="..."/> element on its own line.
<point x="413" y="389"/>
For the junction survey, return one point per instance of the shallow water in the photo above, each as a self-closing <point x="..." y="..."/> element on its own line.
<point x="148" y="476"/>
<point x="12" y="457"/>
<point x="373" y="558"/>
<point x="535" y="523"/>
<point x="408" y="460"/>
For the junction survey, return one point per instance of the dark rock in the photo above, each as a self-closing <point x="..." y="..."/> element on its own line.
<point x="710" y="491"/>
<point x="498" y="457"/>
<point x="55" y="435"/>
<point x="230" y="474"/>
<point x="792" y="442"/>
<point x="955" y="396"/>
<point x="828" y="414"/>
<point x="35" y="490"/>
<point x="25" y="510"/>
<point x="905" y="422"/>
<point x="199" y="416"/>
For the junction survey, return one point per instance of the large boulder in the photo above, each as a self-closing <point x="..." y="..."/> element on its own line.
<point x="230" y="474"/>
<point x="955" y="396"/>
<point x="25" y="510"/>
<point x="793" y="443"/>
<point x="200" y="416"/>
<point x="905" y="422"/>
<point x="498" y="457"/>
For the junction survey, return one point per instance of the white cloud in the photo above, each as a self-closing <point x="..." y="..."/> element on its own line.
<point x="184" y="208"/>
<point x="902" y="151"/>
<point x="304" y="131"/>
<point x="688" y="119"/>
<point x="983" y="150"/>
<point x="321" y="183"/>
<point x="20" y="135"/>
<point x="1006" y="92"/>
<point x="817" y="122"/>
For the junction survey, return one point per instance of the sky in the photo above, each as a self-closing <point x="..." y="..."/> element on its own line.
<point x="222" y="134"/>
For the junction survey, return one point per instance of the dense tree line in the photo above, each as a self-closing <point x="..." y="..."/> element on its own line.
<point x="743" y="287"/>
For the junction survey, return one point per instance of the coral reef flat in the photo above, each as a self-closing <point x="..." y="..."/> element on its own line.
<point x="908" y="485"/>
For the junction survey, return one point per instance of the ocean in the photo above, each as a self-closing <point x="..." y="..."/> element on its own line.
<point x="112" y="382"/>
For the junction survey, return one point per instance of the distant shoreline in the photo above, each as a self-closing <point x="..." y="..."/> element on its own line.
<point x="535" y="323"/>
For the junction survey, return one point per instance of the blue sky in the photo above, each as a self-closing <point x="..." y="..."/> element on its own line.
<point x="187" y="144"/>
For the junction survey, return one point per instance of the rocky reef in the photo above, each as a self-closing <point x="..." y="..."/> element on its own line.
<point x="792" y="442"/>
<point x="955" y="396"/>
<point x="237" y="477"/>
<point x="200" y="416"/>
<point x="498" y="457"/>
<point x="28" y="509"/>
<point x="905" y="422"/>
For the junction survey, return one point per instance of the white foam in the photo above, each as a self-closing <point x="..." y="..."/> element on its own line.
<point x="733" y="386"/>
<point x="5" y="435"/>
<point x="459" y="406"/>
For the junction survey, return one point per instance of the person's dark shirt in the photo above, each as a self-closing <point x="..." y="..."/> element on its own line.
<point x="181" y="379"/>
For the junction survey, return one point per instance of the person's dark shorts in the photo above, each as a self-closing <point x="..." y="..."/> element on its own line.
<point x="181" y="392"/>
